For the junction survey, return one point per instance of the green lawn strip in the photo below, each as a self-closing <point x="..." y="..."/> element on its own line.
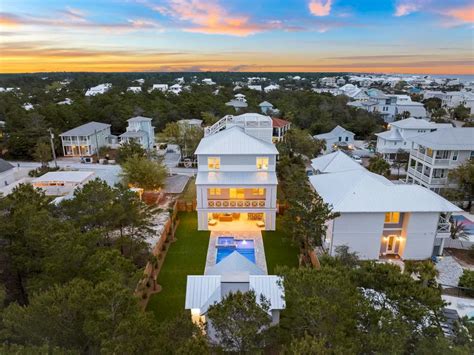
<point x="279" y="250"/>
<point x="187" y="256"/>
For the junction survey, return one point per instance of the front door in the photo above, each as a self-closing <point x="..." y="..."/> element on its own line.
<point x="391" y="244"/>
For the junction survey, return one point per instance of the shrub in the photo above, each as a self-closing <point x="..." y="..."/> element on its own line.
<point x="467" y="280"/>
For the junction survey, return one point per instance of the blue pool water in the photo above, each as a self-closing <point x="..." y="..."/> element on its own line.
<point x="468" y="225"/>
<point x="227" y="245"/>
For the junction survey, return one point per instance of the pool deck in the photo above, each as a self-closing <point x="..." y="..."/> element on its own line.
<point x="256" y="236"/>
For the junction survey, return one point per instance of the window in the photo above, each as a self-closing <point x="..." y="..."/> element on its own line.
<point x="237" y="193"/>
<point x="258" y="192"/>
<point x="442" y="154"/>
<point x="347" y="139"/>
<point x="214" y="163"/>
<point x="472" y="155"/>
<point x="214" y="192"/>
<point x="262" y="163"/>
<point x="340" y="139"/>
<point x="392" y="217"/>
<point x="455" y="155"/>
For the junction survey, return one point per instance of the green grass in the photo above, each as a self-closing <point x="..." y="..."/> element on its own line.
<point x="186" y="256"/>
<point x="189" y="193"/>
<point x="278" y="249"/>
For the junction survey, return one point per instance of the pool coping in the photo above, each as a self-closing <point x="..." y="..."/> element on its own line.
<point x="256" y="236"/>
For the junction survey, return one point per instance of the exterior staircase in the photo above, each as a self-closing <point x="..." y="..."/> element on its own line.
<point x="218" y="126"/>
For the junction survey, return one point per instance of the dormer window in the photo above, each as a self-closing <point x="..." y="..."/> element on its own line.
<point x="392" y="217"/>
<point x="262" y="163"/>
<point x="214" y="163"/>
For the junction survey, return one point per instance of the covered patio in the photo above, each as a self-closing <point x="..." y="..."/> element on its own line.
<point x="236" y="222"/>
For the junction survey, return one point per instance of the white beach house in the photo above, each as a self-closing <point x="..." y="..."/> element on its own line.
<point x="236" y="180"/>
<point x="85" y="140"/>
<point x="379" y="219"/>
<point x="139" y="130"/>
<point x="338" y="136"/>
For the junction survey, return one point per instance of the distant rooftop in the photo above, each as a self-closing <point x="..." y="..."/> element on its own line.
<point x="86" y="129"/>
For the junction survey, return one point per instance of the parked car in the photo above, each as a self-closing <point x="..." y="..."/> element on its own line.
<point x="357" y="158"/>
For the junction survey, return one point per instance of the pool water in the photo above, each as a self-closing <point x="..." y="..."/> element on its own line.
<point x="227" y="245"/>
<point x="468" y="225"/>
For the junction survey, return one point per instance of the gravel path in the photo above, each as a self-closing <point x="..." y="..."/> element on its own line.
<point x="449" y="271"/>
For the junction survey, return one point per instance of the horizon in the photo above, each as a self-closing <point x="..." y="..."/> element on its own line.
<point x="299" y="36"/>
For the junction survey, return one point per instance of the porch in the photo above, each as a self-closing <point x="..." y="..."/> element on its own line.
<point x="236" y="222"/>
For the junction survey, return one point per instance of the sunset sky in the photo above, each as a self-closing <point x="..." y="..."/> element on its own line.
<point x="401" y="36"/>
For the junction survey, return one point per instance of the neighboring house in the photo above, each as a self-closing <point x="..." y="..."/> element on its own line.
<point x="255" y="87"/>
<point x="60" y="183"/>
<point x="28" y="106"/>
<point x="238" y="102"/>
<point x="208" y="82"/>
<point x="396" y="138"/>
<point x="194" y="122"/>
<point x="341" y="81"/>
<point x="337" y="137"/>
<point x="334" y="163"/>
<point x="353" y="92"/>
<point x="134" y="89"/>
<point x="280" y="127"/>
<point x="271" y="87"/>
<point x="265" y="107"/>
<point x="236" y="179"/>
<point x="379" y="219"/>
<point x="328" y="81"/>
<point x="434" y="154"/>
<point x="7" y="173"/>
<point x="99" y="89"/>
<point x="160" y="87"/>
<point x="139" y="130"/>
<point x="452" y="99"/>
<point x="176" y="89"/>
<point x="232" y="274"/>
<point x="67" y="101"/>
<point x="85" y="140"/>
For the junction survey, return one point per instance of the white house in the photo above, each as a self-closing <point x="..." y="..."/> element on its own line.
<point x="339" y="136"/>
<point x="353" y="92"/>
<point x="255" y="87"/>
<point x="238" y="102"/>
<point x="236" y="180"/>
<point x="265" y="107"/>
<point x="85" y="140"/>
<point x="396" y="138"/>
<point x="176" y="89"/>
<point x="232" y="274"/>
<point x="434" y="154"/>
<point x="160" y="87"/>
<point x="139" y="130"/>
<point x="271" y="87"/>
<point x="134" y="89"/>
<point x="328" y="81"/>
<point x="379" y="219"/>
<point x="334" y="163"/>
<point x="99" y="89"/>
<point x="60" y="183"/>
<point x="194" y="122"/>
<point x="208" y="82"/>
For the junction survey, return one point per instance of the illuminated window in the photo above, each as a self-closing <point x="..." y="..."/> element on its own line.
<point x="258" y="192"/>
<point x="237" y="193"/>
<point x="215" y="192"/>
<point x="262" y="163"/>
<point x="214" y="163"/>
<point x="392" y="217"/>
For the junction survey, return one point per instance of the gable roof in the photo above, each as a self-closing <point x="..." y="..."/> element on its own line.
<point x="265" y="104"/>
<point x="447" y="139"/>
<point x="138" y="119"/>
<point x="235" y="268"/>
<point x="335" y="132"/>
<point x="202" y="290"/>
<point x="363" y="191"/>
<point x="278" y="122"/>
<point x="269" y="286"/>
<point x="234" y="141"/>
<point x="5" y="166"/>
<point x="66" y="176"/>
<point x="86" y="129"/>
<point x="414" y="123"/>
<point x="335" y="162"/>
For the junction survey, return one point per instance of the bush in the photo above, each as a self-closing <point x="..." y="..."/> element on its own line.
<point x="41" y="171"/>
<point x="144" y="295"/>
<point x="467" y="280"/>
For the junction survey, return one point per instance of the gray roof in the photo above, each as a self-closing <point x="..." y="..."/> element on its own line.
<point x="447" y="139"/>
<point x="236" y="268"/>
<point x="5" y="166"/>
<point x="138" y="119"/>
<point x="86" y="129"/>
<point x="236" y="103"/>
<point x="265" y="104"/>
<point x="133" y="134"/>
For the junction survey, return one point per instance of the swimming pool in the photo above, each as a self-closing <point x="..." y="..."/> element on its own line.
<point x="468" y="225"/>
<point x="227" y="245"/>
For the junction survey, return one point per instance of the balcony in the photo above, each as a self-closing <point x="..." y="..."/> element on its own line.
<point x="234" y="203"/>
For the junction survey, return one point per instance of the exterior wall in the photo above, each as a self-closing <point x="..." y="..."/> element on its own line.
<point x="361" y="232"/>
<point x="89" y="144"/>
<point x="236" y="163"/>
<point x="420" y="235"/>
<point x="270" y="216"/>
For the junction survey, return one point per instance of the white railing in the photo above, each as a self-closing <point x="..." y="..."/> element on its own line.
<point x="235" y="203"/>
<point x="444" y="225"/>
<point x="216" y="127"/>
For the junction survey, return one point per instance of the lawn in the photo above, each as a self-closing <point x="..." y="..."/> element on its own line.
<point x="189" y="193"/>
<point x="278" y="249"/>
<point x="186" y="256"/>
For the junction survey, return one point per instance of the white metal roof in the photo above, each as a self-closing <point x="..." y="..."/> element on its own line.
<point x="5" y="166"/>
<point x="414" y="123"/>
<point x="65" y="176"/>
<point x="86" y="129"/>
<point x="235" y="268"/>
<point x="202" y="290"/>
<point x="390" y="135"/>
<point x="363" y="191"/>
<point x="335" y="162"/>
<point x="447" y="139"/>
<point x="270" y="286"/>
<point x="234" y="141"/>
<point x="335" y="132"/>
<point x="239" y="178"/>
<point x="139" y="119"/>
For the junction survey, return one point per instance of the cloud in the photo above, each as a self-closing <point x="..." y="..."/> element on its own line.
<point x="451" y="13"/>
<point x="462" y="14"/>
<point x="210" y="17"/>
<point x="9" y="20"/>
<point x="320" y="7"/>
<point x="404" y="9"/>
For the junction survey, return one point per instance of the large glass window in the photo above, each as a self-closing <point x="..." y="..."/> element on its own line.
<point x="237" y="193"/>
<point x="214" y="192"/>
<point x="262" y="163"/>
<point x="258" y="192"/>
<point x="214" y="163"/>
<point x="392" y="217"/>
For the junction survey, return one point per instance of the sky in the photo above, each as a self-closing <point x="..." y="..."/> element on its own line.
<point x="390" y="36"/>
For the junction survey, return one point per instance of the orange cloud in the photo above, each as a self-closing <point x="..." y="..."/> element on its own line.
<point x="9" y="20"/>
<point x="463" y="14"/>
<point x="320" y="7"/>
<point x="210" y="17"/>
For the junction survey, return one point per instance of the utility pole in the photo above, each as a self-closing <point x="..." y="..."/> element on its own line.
<point x="96" y="144"/>
<point x="51" y="139"/>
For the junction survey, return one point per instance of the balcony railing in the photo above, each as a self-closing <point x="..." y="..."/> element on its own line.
<point x="424" y="178"/>
<point x="236" y="203"/>
<point x="432" y="160"/>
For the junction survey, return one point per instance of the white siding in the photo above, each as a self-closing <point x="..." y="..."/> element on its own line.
<point x="420" y="235"/>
